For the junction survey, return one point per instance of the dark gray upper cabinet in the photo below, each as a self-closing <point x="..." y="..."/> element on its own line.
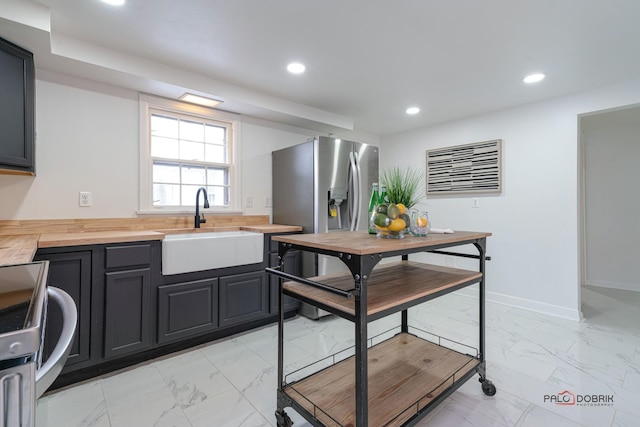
<point x="17" y="110"/>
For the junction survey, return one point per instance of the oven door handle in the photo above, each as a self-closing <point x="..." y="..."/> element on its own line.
<point x="49" y="371"/>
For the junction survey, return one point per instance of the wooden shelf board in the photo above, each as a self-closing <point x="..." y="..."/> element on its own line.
<point x="389" y="285"/>
<point x="402" y="370"/>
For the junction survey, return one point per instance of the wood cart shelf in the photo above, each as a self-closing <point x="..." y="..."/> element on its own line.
<point x="397" y="381"/>
<point x="391" y="287"/>
<point x="405" y="374"/>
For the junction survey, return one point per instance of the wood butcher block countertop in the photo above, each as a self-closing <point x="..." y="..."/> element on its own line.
<point x="363" y="243"/>
<point x="18" y="249"/>
<point x="271" y="228"/>
<point x="54" y="240"/>
<point x="21" y="248"/>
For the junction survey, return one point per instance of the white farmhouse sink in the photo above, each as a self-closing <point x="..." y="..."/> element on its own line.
<point x="183" y="253"/>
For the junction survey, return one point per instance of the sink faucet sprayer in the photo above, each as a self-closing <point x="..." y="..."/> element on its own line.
<point x="199" y="220"/>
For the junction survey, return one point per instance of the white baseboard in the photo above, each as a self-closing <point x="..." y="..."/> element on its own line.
<point x="526" y="304"/>
<point x="625" y="286"/>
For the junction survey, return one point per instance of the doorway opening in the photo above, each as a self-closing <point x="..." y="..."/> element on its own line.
<point x="610" y="229"/>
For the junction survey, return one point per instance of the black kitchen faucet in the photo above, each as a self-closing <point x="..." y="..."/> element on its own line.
<point x="199" y="220"/>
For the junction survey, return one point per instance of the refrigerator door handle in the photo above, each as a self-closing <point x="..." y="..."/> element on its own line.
<point x="358" y="185"/>
<point x="350" y="193"/>
<point x="356" y="193"/>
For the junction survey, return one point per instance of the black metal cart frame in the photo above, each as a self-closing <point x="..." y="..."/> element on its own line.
<point x="361" y="267"/>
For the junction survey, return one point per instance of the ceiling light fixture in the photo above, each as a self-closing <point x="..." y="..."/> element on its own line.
<point x="114" y="2"/>
<point x="412" y="110"/>
<point x="200" y="100"/>
<point x="533" y="78"/>
<point x="296" y="68"/>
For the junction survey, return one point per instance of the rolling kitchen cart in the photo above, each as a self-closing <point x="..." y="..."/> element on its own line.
<point x="398" y="380"/>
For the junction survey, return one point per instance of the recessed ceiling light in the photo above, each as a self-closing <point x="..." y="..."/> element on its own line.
<point x="296" y="68"/>
<point x="114" y="2"/>
<point x="412" y="110"/>
<point x="533" y="78"/>
<point x="200" y="100"/>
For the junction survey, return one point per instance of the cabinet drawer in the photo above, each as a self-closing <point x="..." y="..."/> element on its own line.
<point x="187" y="309"/>
<point x="127" y="256"/>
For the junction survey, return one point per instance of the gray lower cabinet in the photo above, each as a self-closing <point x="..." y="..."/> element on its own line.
<point x="292" y="265"/>
<point x="71" y="272"/>
<point x="187" y="309"/>
<point x="127" y="315"/>
<point x="127" y="309"/>
<point x="243" y="297"/>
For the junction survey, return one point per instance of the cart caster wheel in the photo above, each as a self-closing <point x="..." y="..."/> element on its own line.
<point x="487" y="387"/>
<point x="282" y="419"/>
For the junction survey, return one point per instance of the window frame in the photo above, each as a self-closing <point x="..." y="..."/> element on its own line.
<point x="150" y="104"/>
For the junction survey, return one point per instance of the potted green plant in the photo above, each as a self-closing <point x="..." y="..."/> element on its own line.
<point x="403" y="184"/>
<point x="391" y="218"/>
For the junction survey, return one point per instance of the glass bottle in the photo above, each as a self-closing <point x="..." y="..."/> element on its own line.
<point x="373" y="201"/>
<point x="383" y="194"/>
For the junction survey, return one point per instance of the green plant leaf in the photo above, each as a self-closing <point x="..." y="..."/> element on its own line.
<point x="402" y="185"/>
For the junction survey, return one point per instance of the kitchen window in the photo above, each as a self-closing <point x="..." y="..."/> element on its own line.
<point x="185" y="147"/>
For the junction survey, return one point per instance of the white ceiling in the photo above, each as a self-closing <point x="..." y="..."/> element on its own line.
<point x="367" y="60"/>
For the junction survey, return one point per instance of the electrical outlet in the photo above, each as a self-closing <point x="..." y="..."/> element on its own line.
<point x="85" y="199"/>
<point x="475" y="203"/>
<point x="249" y="202"/>
<point x="268" y="202"/>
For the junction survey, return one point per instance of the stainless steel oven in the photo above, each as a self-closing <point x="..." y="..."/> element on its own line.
<point x="24" y="297"/>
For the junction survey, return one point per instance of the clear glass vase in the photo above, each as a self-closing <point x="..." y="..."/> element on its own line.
<point x="420" y="224"/>
<point x="388" y="222"/>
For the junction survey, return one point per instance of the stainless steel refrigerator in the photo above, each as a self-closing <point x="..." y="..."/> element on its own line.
<point x="324" y="186"/>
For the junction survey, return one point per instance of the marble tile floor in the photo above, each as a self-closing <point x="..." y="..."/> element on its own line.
<point x="231" y="382"/>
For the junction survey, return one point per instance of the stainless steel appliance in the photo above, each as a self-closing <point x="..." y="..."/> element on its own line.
<point x="324" y="186"/>
<point x="23" y="308"/>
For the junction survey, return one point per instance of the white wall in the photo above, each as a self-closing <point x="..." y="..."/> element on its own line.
<point x="612" y="206"/>
<point x="535" y="242"/>
<point x="258" y="143"/>
<point x="87" y="140"/>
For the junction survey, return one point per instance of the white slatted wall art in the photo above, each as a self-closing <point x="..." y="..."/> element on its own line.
<point x="469" y="168"/>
